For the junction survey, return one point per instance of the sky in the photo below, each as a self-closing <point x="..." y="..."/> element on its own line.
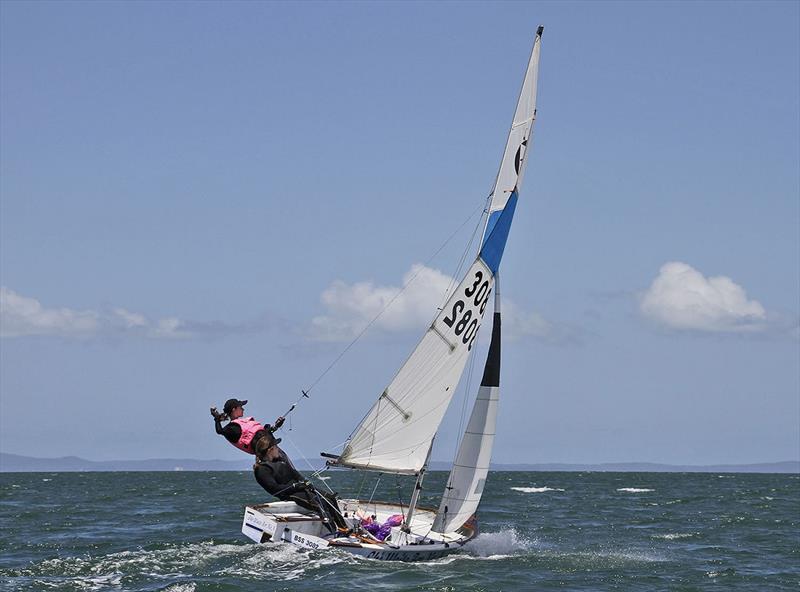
<point x="201" y="200"/>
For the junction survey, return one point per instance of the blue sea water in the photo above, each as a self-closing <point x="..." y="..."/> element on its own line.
<point x="180" y="532"/>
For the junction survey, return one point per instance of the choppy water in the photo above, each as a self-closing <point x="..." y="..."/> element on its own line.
<point x="180" y="532"/>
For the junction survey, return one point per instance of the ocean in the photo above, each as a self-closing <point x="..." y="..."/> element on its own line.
<point x="180" y="532"/>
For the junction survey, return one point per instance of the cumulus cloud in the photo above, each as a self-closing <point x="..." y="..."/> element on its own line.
<point x="22" y="316"/>
<point x="682" y="298"/>
<point x="350" y="308"/>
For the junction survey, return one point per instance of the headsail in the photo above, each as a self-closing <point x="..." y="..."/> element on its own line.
<point x="397" y="432"/>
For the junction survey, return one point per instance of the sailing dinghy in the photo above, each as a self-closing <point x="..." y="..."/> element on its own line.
<point x="397" y="433"/>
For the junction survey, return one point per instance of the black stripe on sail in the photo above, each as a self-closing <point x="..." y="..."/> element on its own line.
<point x="491" y="372"/>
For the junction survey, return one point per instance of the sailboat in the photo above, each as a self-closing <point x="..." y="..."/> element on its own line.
<point x="397" y="433"/>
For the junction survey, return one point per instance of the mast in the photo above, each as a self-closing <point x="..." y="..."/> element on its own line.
<point x="415" y="494"/>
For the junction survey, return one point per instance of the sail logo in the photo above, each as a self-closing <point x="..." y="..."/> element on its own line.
<point x="518" y="158"/>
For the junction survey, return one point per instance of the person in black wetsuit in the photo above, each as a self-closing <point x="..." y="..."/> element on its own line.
<point x="276" y="474"/>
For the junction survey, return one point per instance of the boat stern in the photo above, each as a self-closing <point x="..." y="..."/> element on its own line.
<point x="284" y="522"/>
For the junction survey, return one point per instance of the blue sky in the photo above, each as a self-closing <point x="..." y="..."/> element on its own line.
<point x="200" y="200"/>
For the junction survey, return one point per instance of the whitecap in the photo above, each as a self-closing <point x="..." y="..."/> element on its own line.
<point x="498" y="545"/>
<point x="188" y="587"/>
<point x="605" y="557"/>
<point x="671" y="536"/>
<point x="46" y="479"/>
<point x="536" y="489"/>
<point x="638" y="556"/>
<point x="725" y="572"/>
<point x="635" y="489"/>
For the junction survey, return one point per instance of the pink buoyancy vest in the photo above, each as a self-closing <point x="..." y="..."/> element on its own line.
<point x="249" y="428"/>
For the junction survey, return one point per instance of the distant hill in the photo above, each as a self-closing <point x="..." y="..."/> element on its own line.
<point x="14" y="463"/>
<point x="26" y="464"/>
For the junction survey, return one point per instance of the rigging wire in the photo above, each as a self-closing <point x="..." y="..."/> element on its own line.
<point x="399" y="495"/>
<point x="305" y="392"/>
<point x="314" y="472"/>
<point x="467" y="388"/>
<point x="454" y="278"/>
<point x="464" y="254"/>
<point x="374" y="489"/>
<point x="361" y="485"/>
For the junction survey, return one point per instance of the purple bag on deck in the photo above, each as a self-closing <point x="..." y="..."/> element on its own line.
<point x="386" y="527"/>
<point x="381" y="531"/>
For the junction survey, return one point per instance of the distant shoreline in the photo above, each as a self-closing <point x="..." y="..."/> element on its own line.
<point x="14" y="463"/>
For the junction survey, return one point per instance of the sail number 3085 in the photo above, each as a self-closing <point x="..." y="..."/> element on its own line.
<point x="463" y="323"/>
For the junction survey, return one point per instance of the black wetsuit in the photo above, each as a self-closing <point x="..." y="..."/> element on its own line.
<point x="282" y="480"/>
<point x="233" y="431"/>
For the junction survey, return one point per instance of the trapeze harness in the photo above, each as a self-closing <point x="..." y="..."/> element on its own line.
<point x="250" y="427"/>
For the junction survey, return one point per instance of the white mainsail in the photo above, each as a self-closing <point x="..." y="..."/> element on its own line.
<point x="465" y="483"/>
<point x="512" y="166"/>
<point x="397" y="433"/>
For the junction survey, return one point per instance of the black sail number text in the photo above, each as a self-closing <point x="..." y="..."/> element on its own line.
<point x="458" y="306"/>
<point x="461" y="318"/>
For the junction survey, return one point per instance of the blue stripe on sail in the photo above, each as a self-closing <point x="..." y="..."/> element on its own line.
<point x="493" y="217"/>
<point x="495" y="242"/>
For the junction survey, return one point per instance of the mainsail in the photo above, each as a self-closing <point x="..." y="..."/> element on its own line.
<point x="512" y="166"/>
<point x="471" y="467"/>
<point x="397" y="433"/>
<point x="468" y="476"/>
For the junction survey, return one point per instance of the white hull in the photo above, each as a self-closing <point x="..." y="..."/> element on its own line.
<point x="287" y="522"/>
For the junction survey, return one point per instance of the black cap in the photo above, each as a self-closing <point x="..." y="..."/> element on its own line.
<point x="231" y="404"/>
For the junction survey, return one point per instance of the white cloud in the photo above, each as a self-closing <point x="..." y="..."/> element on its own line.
<point x="350" y="307"/>
<point x="682" y="298"/>
<point x="131" y="319"/>
<point x="22" y="316"/>
<point x="518" y="323"/>
<point x="170" y="328"/>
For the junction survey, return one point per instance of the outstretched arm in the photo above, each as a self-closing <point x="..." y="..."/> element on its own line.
<point x="217" y="420"/>
<point x="231" y="431"/>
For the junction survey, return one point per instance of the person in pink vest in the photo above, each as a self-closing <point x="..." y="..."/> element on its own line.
<point x="243" y="432"/>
